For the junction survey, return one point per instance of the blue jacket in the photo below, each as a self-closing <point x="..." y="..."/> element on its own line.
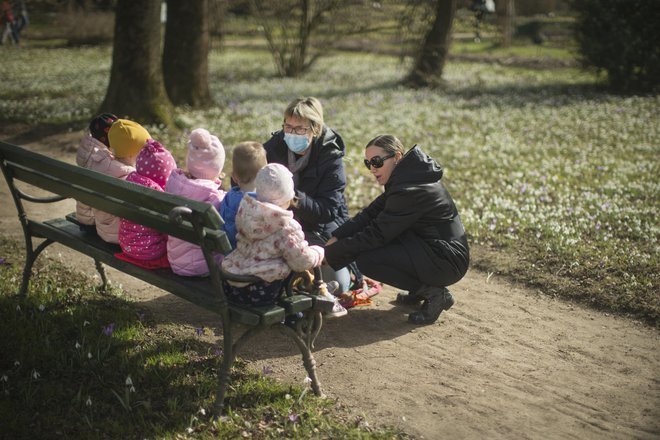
<point x="228" y="211"/>
<point x="320" y="190"/>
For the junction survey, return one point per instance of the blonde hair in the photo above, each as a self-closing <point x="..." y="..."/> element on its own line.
<point x="308" y="108"/>
<point x="247" y="159"/>
<point x="389" y="143"/>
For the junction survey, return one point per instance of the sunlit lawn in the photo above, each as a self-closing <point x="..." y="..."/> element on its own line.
<point x="544" y="165"/>
<point x="81" y="364"/>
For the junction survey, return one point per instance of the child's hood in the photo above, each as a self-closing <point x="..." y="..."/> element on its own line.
<point x="88" y="146"/>
<point x="257" y="220"/>
<point x="196" y="189"/>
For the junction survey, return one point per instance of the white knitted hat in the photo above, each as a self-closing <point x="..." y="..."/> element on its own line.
<point x="206" y="155"/>
<point x="274" y="184"/>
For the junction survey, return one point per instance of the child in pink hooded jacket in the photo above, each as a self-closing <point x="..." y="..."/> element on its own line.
<point x="96" y="141"/>
<point x="126" y="138"/>
<point x="140" y="245"/>
<point x="270" y="243"/>
<point x="205" y="160"/>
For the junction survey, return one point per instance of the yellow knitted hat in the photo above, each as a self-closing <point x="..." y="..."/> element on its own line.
<point x="127" y="138"/>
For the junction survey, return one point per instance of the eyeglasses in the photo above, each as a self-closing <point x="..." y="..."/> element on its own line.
<point x="377" y="161"/>
<point x="297" y="130"/>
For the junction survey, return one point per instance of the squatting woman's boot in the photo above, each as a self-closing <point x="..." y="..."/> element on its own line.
<point x="436" y="300"/>
<point x="408" y="299"/>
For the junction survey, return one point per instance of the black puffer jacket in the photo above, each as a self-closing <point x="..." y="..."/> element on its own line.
<point x="415" y="209"/>
<point x="321" y="206"/>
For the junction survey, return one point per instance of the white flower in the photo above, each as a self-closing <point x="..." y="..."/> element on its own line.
<point x="18" y="308"/>
<point x="89" y="355"/>
<point x="35" y="374"/>
<point x="4" y="378"/>
<point x="42" y="307"/>
<point x="78" y="345"/>
<point x="88" y="402"/>
<point x="129" y="382"/>
<point x="85" y="323"/>
<point x="17" y="363"/>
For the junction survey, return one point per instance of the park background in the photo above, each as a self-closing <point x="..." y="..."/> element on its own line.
<point x="550" y="156"/>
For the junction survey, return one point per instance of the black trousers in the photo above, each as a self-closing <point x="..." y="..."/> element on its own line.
<point x="391" y="264"/>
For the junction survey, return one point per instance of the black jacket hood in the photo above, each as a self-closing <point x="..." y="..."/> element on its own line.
<point x="415" y="167"/>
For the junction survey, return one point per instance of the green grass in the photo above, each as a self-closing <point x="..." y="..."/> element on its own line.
<point x="555" y="175"/>
<point x="490" y="50"/>
<point x="80" y="364"/>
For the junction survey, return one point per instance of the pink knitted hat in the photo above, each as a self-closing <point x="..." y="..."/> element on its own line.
<point x="155" y="162"/>
<point x="274" y="184"/>
<point x="206" y="155"/>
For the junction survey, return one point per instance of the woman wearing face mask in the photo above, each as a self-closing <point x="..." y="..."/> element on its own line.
<point x="314" y="152"/>
<point x="411" y="236"/>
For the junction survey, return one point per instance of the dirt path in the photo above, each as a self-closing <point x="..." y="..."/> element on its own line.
<point x="504" y="362"/>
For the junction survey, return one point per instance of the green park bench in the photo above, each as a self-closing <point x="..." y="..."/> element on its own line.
<point x="189" y="220"/>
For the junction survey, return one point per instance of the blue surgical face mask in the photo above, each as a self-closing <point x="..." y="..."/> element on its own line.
<point x="296" y="142"/>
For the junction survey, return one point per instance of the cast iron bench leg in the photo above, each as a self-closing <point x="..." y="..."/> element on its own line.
<point x="308" y="358"/>
<point x="101" y="270"/>
<point x="228" y="356"/>
<point x="30" y="257"/>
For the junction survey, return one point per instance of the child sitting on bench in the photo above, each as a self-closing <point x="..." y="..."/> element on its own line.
<point x="95" y="142"/>
<point x="140" y="245"/>
<point x="270" y="242"/>
<point x="201" y="181"/>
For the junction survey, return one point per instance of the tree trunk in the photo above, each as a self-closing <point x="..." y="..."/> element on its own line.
<point x="136" y="87"/>
<point x="507" y="16"/>
<point x="430" y="61"/>
<point x="185" y="55"/>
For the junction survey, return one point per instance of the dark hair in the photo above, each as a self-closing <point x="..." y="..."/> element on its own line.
<point x="387" y="142"/>
<point x="100" y="125"/>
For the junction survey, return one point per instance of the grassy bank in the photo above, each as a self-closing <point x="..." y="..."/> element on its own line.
<point x="555" y="179"/>
<point x="85" y="365"/>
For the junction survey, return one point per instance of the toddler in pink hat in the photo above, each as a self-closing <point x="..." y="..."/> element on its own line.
<point x="201" y="181"/>
<point x="141" y="245"/>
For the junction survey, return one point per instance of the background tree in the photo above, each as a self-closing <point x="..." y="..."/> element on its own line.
<point x="432" y="54"/>
<point x="185" y="53"/>
<point x="298" y="32"/>
<point x="622" y="38"/>
<point x="506" y="16"/>
<point x="136" y="85"/>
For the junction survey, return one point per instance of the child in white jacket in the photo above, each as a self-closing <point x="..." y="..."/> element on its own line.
<point x="270" y="243"/>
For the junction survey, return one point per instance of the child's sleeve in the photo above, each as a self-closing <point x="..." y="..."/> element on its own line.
<point x="298" y="254"/>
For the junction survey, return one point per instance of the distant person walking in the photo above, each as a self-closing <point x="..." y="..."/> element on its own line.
<point x="7" y="23"/>
<point x="21" y="19"/>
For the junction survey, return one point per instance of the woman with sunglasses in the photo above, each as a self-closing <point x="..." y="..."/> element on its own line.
<point x="314" y="152"/>
<point x="411" y="236"/>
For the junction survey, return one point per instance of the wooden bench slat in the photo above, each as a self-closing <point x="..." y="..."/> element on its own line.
<point x="295" y="303"/>
<point x="135" y="212"/>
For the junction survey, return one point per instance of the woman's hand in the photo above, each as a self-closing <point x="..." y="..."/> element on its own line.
<point x="331" y="241"/>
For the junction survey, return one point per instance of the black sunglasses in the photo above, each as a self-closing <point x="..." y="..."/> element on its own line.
<point x="377" y="161"/>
